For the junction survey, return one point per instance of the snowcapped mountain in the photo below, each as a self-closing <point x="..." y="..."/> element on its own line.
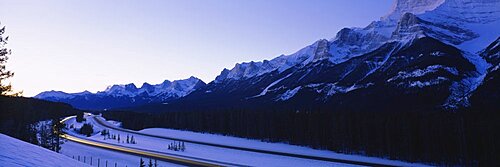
<point x="117" y="96"/>
<point x="424" y="54"/>
<point x="454" y="22"/>
<point x="167" y="89"/>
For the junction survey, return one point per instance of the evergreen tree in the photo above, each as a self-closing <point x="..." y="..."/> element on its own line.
<point x="104" y="132"/>
<point x="87" y="129"/>
<point x="5" y="89"/>
<point x="44" y="135"/>
<point x="31" y="134"/>
<point x="141" y="164"/>
<point x="150" y="164"/>
<point x="156" y="163"/>
<point x="79" y="117"/>
<point x="57" y="131"/>
<point x="127" y="139"/>
<point x="50" y="135"/>
<point x="118" y="138"/>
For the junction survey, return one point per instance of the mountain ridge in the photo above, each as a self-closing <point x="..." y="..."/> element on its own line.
<point x="388" y="54"/>
<point x="126" y="95"/>
<point x="369" y="60"/>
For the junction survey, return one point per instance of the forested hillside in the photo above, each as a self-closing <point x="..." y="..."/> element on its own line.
<point x="18" y="115"/>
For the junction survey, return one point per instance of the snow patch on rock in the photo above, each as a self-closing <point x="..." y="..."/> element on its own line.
<point x="422" y="72"/>
<point x="289" y="94"/>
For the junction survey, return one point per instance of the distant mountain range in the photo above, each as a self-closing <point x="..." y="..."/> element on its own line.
<point x="424" y="55"/>
<point x="121" y="96"/>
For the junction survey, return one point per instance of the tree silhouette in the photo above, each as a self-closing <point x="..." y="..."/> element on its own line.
<point x="5" y="89"/>
<point x="141" y="164"/>
<point x="79" y="117"/>
<point x="87" y="129"/>
<point x="150" y="164"/>
<point x="57" y="131"/>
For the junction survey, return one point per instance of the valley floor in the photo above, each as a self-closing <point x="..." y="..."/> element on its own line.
<point x="73" y="149"/>
<point x="226" y="155"/>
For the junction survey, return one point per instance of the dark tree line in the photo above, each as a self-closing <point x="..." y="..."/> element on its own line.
<point x="19" y="117"/>
<point x="445" y="138"/>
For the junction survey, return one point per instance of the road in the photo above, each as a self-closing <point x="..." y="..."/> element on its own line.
<point x="108" y="125"/>
<point x="177" y="159"/>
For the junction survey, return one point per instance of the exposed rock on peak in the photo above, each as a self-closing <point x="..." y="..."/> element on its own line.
<point x="400" y="7"/>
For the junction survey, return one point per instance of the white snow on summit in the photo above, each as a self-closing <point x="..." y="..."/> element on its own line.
<point x="58" y="95"/>
<point x="177" y="88"/>
<point x="467" y="24"/>
<point x="479" y="16"/>
<point x="167" y="89"/>
<point x="400" y="7"/>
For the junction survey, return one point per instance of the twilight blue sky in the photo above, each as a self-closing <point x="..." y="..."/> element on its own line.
<point x="87" y="45"/>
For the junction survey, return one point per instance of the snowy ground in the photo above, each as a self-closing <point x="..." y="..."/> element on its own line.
<point x="14" y="152"/>
<point x="201" y="151"/>
<point x="256" y="144"/>
<point x="71" y="149"/>
<point x="225" y="154"/>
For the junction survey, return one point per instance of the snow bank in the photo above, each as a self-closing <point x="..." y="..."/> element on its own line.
<point x="15" y="152"/>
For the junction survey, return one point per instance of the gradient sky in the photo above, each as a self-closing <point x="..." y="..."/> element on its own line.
<point x="87" y="45"/>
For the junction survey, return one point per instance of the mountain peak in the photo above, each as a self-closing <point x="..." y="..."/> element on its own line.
<point x="145" y="84"/>
<point x="130" y="87"/>
<point x="400" y="7"/>
<point x="53" y="95"/>
<point x="193" y="78"/>
<point x="125" y="95"/>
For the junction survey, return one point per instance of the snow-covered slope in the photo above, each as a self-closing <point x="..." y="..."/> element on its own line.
<point x="19" y="153"/>
<point x="128" y="95"/>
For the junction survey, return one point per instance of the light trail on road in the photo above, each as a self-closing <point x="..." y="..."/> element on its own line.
<point x="177" y="159"/>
